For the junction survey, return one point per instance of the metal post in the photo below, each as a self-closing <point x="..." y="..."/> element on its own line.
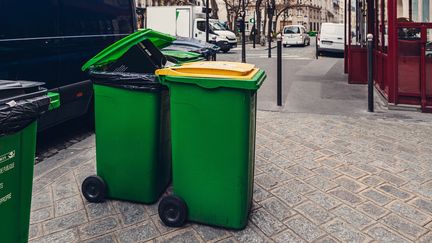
<point x="243" y="32"/>
<point x="254" y="31"/>
<point x="370" y="72"/>
<point x="279" y="71"/>
<point x="207" y="21"/>
<point x="316" y="47"/>
<point x="270" y="19"/>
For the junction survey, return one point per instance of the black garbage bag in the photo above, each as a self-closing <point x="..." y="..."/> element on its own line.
<point x="130" y="81"/>
<point x="21" y="103"/>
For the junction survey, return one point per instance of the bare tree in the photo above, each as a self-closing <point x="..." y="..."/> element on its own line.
<point x="234" y="7"/>
<point x="258" y="4"/>
<point x="215" y="9"/>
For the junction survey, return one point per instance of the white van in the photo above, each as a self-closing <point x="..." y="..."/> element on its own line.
<point x="295" y="35"/>
<point x="331" y="38"/>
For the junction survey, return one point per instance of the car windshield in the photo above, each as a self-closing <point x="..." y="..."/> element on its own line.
<point x="217" y="26"/>
<point x="292" y="30"/>
<point x="333" y="30"/>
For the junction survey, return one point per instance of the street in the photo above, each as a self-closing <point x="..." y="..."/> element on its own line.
<point x="325" y="170"/>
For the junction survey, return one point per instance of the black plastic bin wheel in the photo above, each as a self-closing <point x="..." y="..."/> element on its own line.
<point x="94" y="189"/>
<point x="173" y="211"/>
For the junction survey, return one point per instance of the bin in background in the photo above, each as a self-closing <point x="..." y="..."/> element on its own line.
<point x="21" y="103"/>
<point x="213" y="114"/>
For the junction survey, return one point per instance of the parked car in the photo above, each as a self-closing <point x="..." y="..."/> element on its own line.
<point x="295" y="35"/>
<point x="331" y="38"/>
<point x="49" y="41"/>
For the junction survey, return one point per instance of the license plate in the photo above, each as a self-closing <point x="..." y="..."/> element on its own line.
<point x="326" y="42"/>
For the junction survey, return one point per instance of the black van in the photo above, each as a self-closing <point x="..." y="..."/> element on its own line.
<point x="49" y="41"/>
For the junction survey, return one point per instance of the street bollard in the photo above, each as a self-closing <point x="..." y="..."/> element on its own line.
<point x="316" y="47"/>
<point x="279" y="71"/>
<point x="370" y="72"/>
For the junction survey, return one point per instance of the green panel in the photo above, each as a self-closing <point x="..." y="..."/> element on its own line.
<point x="210" y="83"/>
<point x="16" y="176"/>
<point x="120" y="47"/>
<point x="132" y="142"/>
<point x="54" y="100"/>
<point x="213" y="139"/>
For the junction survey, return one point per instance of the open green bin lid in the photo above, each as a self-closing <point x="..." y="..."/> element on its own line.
<point x="120" y="47"/>
<point x="214" y="75"/>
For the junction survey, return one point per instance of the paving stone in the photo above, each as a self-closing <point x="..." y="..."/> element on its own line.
<point x="259" y="194"/>
<point x="42" y="199"/>
<point x="304" y="228"/>
<point x="249" y="235"/>
<point x="35" y="231"/>
<point x="277" y="173"/>
<point x="131" y="213"/>
<point x="98" y="228"/>
<point x="327" y="172"/>
<point x="366" y="168"/>
<point x="99" y="210"/>
<point x="403" y="226"/>
<point x="422" y="204"/>
<point x="287" y="236"/>
<point x="299" y="186"/>
<point x="65" y="189"/>
<point x="378" y="197"/>
<point x="346" y="196"/>
<point x="66" y="236"/>
<point x="395" y="180"/>
<point x="331" y="162"/>
<point x="299" y="171"/>
<point x="266" y="181"/>
<point x="409" y="212"/>
<point x="344" y="232"/>
<point x="326" y="239"/>
<point x="372" y="210"/>
<point x="287" y="195"/>
<point x="65" y="222"/>
<point x="372" y="180"/>
<point x="324" y="200"/>
<point x="321" y="183"/>
<point x="314" y="212"/>
<point x="349" y="184"/>
<point x="426" y="238"/>
<point x="209" y="233"/>
<point x="228" y="240"/>
<point x="281" y="161"/>
<point x="395" y="191"/>
<point x="351" y="171"/>
<point x="104" y="239"/>
<point x="382" y="234"/>
<point x="277" y="208"/>
<point x="144" y="232"/>
<point x="353" y="217"/>
<point x="68" y="205"/>
<point x="267" y="223"/>
<point x="163" y="229"/>
<point x="41" y="215"/>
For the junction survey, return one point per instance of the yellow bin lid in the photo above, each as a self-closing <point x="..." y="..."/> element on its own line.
<point x="212" y="75"/>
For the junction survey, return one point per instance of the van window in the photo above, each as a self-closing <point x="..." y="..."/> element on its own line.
<point x="292" y="30"/>
<point x="84" y="17"/>
<point x="201" y="25"/>
<point x="28" y="19"/>
<point x="333" y="30"/>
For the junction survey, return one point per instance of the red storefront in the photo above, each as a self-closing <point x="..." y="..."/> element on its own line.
<point x="403" y="48"/>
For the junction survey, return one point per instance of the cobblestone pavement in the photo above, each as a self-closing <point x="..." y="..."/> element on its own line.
<point x="318" y="178"/>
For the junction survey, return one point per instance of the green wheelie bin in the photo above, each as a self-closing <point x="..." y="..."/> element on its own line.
<point x="213" y="114"/>
<point x="21" y="103"/>
<point x="180" y="57"/>
<point x="133" y="156"/>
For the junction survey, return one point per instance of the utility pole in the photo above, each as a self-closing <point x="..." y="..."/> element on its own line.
<point x="370" y="72"/>
<point x="207" y="21"/>
<point x="243" y="13"/>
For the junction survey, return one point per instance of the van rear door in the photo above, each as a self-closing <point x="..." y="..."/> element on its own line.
<point x="332" y="36"/>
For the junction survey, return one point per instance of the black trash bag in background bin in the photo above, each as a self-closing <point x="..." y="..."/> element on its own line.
<point x="21" y="103"/>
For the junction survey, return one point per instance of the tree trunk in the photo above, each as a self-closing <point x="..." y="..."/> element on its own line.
<point x="215" y="9"/>
<point x="258" y="20"/>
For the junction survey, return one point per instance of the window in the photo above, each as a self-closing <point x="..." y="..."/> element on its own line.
<point x="414" y="10"/>
<point x="201" y="25"/>
<point x="84" y="17"/>
<point x="28" y="19"/>
<point x="292" y="30"/>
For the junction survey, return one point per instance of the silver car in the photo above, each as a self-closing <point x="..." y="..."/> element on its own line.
<point x="295" y="35"/>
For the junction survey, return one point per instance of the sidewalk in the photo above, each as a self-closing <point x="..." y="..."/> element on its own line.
<point x="318" y="178"/>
